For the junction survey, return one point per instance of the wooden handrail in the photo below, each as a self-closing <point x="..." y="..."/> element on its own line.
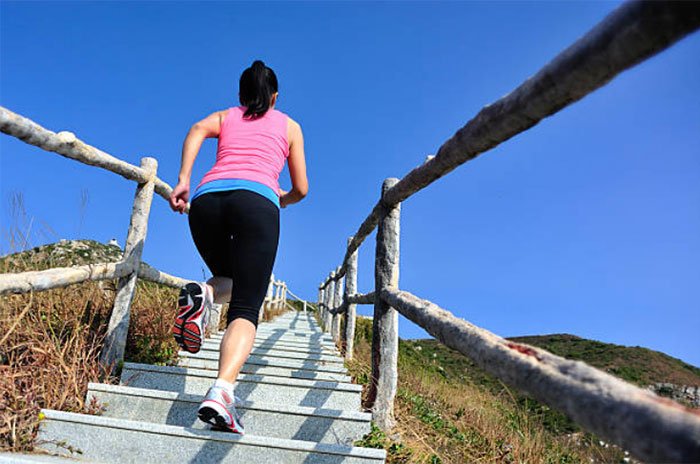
<point x="638" y="420"/>
<point x="35" y="281"/>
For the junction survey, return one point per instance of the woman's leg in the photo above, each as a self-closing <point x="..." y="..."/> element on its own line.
<point x="235" y="347"/>
<point x="255" y="220"/>
<point x="221" y="289"/>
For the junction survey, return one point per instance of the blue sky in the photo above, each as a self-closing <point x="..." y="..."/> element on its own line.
<point x="588" y="223"/>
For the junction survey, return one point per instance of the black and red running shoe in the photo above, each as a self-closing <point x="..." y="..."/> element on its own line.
<point x="194" y="306"/>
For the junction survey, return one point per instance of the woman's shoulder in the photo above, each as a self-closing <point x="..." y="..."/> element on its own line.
<point x="223" y="114"/>
<point x="287" y="118"/>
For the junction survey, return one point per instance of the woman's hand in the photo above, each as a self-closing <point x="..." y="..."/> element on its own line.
<point x="179" y="196"/>
<point x="283" y="198"/>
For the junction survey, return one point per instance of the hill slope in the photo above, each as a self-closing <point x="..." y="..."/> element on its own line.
<point x="635" y="364"/>
<point x="466" y="415"/>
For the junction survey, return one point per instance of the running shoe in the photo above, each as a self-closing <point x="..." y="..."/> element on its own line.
<point x="194" y="307"/>
<point x="219" y="410"/>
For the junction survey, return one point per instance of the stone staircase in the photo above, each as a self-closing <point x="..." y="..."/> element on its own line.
<point x="299" y="406"/>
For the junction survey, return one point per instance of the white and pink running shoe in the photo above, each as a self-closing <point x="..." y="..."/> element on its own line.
<point x="194" y="309"/>
<point x="219" y="410"/>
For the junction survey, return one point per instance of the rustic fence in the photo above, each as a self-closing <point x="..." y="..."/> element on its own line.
<point x="651" y="427"/>
<point x="130" y="267"/>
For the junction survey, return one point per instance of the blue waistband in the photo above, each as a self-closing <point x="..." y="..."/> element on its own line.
<point x="234" y="184"/>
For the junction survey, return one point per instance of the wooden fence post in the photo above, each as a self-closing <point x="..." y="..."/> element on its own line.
<point x="350" y="314"/>
<point x="268" y="295"/>
<point x="320" y="303"/>
<point x="329" y="300"/>
<point x="385" y="325"/>
<point x="216" y="314"/>
<point x="278" y="293"/>
<point x="115" y="341"/>
<point x="337" y="301"/>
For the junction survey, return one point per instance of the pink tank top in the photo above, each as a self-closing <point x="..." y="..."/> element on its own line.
<point x="252" y="149"/>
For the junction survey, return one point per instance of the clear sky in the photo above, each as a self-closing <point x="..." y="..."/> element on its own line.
<point x="588" y="223"/>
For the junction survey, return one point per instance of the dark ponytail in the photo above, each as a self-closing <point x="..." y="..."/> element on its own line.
<point x="255" y="89"/>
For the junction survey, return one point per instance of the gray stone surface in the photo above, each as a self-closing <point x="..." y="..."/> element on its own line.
<point x="273" y="361"/>
<point x="301" y="344"/>
<point x="278" y="336"/>
<point x="25" y="458"/>
<point x="259" y="418"/>
<point x="199" y="363"/>
<point x="274" y="390"/>
<point x="111" y="440"/>
<point x="286" y="331"/>
<point x="280" y="351"/>
<point x="281" y="334"/>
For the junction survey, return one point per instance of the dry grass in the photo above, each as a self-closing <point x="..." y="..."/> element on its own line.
<point x="51" y="344"/>
<point x="439" y="420"/>
<point x="271" y="313"/>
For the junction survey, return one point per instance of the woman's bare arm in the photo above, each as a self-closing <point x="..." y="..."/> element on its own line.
<point x="207" y="127"/>
<point x="297" y="166"/>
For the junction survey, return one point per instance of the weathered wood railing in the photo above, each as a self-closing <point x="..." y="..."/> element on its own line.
<point x="130" y="267"/>
<point x="306" y="305"/>
<point x="276" y="294"/>
<point x="650" y="427"/>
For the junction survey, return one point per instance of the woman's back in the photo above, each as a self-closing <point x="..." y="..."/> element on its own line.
<point x="253" y="149"/>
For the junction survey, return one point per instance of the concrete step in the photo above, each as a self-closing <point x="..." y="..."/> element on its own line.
<point x="273" y="347"/>
<point x="287" y="341"/>
<point x="295" y="317"/>
<point x="285" y="335"/>
<point x="292" y="322"/>
<point x="30" y="458"/>
<point x="198" y="363"/>
<point x="283" y="343"/>
<point x="290" y="332"/>
<point x="279" y="351"/>
<point x="293" y="325"/>
<point x="290" y="326"/>
<point x="111" y="440"/>
<point x="259" y="418"/>
<point x="268" y="360"/>
<point x="251" y="387"/>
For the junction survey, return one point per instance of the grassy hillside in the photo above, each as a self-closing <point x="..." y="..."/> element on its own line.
<point x="60" y="254"/>
<point x="449" y="410"/>
<point x="635" y="364"/>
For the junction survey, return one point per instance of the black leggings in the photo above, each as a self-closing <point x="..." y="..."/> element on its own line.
<point x="237" y="232"/>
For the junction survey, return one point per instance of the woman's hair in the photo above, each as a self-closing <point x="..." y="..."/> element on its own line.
<point x="255" y="89"/>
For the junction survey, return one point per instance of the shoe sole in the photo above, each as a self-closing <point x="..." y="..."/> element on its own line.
<point x="210" y="413"/>
<point x="186" y="330"/>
